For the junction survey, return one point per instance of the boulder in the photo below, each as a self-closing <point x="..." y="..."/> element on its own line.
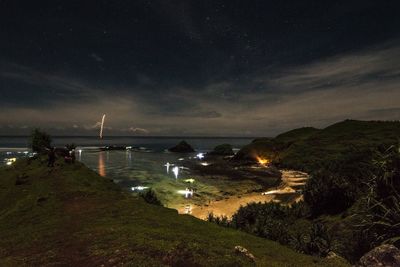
<point x="384" y="255"/>
<point x="182" y="147"/>
<point x="222" y="150"/>
<point x="244" y="252"/>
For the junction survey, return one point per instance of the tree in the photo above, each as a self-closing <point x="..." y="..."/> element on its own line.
<point x="39" y="141"/>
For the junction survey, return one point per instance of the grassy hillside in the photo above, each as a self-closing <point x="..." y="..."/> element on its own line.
<point x="309" y="148"/>
<point x="71" y="216"/>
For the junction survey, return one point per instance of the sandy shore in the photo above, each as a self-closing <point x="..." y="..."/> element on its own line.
<point x="228" y="206"/>
<point x="225" y="207"/>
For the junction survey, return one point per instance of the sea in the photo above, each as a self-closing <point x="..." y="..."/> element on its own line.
<point x="147" y="165"/>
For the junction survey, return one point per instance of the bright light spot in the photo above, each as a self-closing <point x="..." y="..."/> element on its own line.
<point x="139" y="188"/>
<point x="205" y="163"/>
<point x="200" y="156"/>
<point x="175" y="170"/>
<point x="180" y="159"/>
<point x="191" y="180"/>
<point x="26" y="152"/>
<point x="262" y="161"/>
<point x="167" y="165"/>
<point x="128" y="147"/>
<point x="188" y="209"/>
<point x="10" y="161"/>
<point x="187" y="192"/>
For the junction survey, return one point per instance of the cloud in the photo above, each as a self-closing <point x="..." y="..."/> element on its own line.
<point x="96" y="57"/>
<point x="361" y="85"/>
<point x="137" y="130"/>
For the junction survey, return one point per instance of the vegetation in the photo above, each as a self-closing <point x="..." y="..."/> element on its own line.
<point x="150" y="197"/>
<point x="70" y="146"/>
<point x="224" y="150"/>
<point x="310" y="149"/>
<point x="283" y="224"/>
<point x="39" y="141"/>
<point x="69" y="215"/>
<point x="352" y="198"/>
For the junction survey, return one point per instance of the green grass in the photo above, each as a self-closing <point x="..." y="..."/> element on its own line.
<point x="309" y="148"/>
<point x="71" y="216"/>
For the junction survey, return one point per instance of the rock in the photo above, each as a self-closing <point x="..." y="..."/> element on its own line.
<point x="333" y="256"/>
<point x="182" y="147"/>
<point x="384" y="255"/>
<point x="243" y="251"/>
<point x="222" y="150"/>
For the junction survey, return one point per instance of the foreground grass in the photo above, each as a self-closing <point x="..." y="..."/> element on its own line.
<point x="71" y="216"/>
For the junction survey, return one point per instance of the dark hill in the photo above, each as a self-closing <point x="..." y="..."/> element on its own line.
<point x="308" y="148"/>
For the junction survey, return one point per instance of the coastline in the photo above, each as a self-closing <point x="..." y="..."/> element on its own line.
<point x="291" y="180"/>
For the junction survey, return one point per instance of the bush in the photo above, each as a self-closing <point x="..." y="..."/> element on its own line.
<point x="70" y="146"/>
<point x="277" y="222"/>
<point x="328" y="193"/>
<point x="39" y="141"/>
<point x="150" y="197"/>
<point x="381" y="217"/>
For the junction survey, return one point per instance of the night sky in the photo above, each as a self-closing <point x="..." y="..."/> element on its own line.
<point x="190" y="68"/>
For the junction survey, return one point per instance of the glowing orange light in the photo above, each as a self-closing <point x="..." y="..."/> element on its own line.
<point x="262" y="161"/>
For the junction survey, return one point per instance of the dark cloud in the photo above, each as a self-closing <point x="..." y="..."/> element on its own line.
<point x="197" y="67"/>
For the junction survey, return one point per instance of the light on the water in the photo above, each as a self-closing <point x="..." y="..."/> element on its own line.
<point x="175" y="170"/>
<point x="191" y="180"/>
<point x="187" y="192"/>
<point x="205" y="163"/>
<point x="139" y="188"/>
<point x="168" y="165"/>
<point x="200" y="156"/>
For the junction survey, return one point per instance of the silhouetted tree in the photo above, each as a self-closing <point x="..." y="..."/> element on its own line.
<point x="39" y="141"/>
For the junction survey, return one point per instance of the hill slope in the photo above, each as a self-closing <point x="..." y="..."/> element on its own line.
<point x="71" y="216"/>
<point x="308" y="148"/>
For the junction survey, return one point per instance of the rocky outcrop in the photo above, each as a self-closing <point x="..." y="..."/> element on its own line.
<point x="182" y="147"/>
<point x="222" y="150"/>
<point x="244" y="252"/>
<point x="384" y="255"/>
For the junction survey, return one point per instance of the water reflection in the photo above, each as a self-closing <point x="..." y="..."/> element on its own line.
<point x="101" y="166"/>
<point x="175" y="170"/>
<point x="167" y="165"/>
<point x="128" y="157"/>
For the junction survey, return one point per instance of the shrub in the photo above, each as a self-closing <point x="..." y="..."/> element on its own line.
<point x="70" y="146"/>
<point x="329" y="193"/>
<point x="39" y="141"/>
<point x="150" y="197"/>
<point x="381" y="217"/>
